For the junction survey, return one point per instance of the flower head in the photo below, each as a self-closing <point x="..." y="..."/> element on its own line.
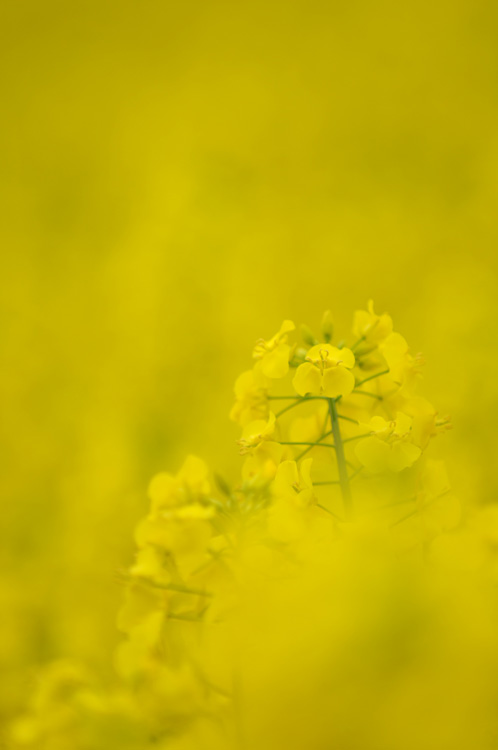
<point x="389" y="448"/>
<point x="326" y="372"/>
<point x="256" y="433"/>
<point x="404" y="368"/>
<point x="293" y="494"/>
<point x="189" y="485"/>
<point x="294" y="484"/>
<point x="273" y="355"/>
<point x="251" y="398"/>
<point x="370" y="327"/>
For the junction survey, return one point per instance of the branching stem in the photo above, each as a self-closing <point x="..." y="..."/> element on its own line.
<point x="341" y="460"/>
<point x="372" y="377"/>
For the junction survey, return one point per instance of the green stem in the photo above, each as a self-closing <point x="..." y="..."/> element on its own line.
<point x="307" y="450"/>
<point x="341" y="460"/>
<point x="372" y="377"/>
<point x="318" y="505"/>
<point x="296" y="400"/>
<point x="320" y="445"/>
<point x="357" y="437"/>
<point x="284" y="398"/>
<point x="289" y="407"/>
<point x="355" y="473"/>
<point x="357" y="343"/>
<point x="366" y="393"/>
<point x="348" y="419"/>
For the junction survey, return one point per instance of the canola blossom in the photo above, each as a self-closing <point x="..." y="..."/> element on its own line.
<point x="338" y="595"/>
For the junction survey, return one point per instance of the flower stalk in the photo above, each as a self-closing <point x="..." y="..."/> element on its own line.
<point x="341" y="460"/>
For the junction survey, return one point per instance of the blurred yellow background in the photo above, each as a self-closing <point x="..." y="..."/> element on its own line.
<point x="176" y="179"/>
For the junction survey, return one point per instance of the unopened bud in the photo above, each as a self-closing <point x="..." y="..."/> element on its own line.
<point x="327" y="326"/>
<point x="307" y="336"/>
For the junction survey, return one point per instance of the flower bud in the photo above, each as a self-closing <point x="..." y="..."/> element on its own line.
<point x="307" y="336"/>
<point x="327" y="326"/>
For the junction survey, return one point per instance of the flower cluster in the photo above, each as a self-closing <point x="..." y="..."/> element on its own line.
<point x="334" y="440"/>
<point x="354" y="410"/>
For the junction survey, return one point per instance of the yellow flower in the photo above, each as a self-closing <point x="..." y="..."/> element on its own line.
<point x="138" y="653"/>
<point x="370" y="327"/>
<point x="389" y="448"/>
<point x="426" y="421"/>
<point x="404" y="369"/>
<point x="190" y="484"/>
<point x="263" y="454"/>
<point x="255" y="433"/>
<point x="180" y="531"/>
<point x="326" y="372"/>
<point x="250" y="393"/>
<point x="140" y="603"/>
<point x="263" y="461"/>
<point x="309" y="427"/>
<point x="293" y="484"/>
<point x="293" y="494"/>
<point x="148" y="563"/>
<point x="273" y="355"/>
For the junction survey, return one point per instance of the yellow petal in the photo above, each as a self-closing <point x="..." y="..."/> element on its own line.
<point x="263" y="463"/>
<point x="244" y="383"/>
<point x="378" y="424"/>
<point x="287" y="476"/>
<point x="148" y="563"/>
<point x="373" y="328"/>
<point x="331" y="353"/>
<point x="308" y="428"/>
<point x="347" y="357"/>
<point x="194" y="473"/>
<point x="162" y="489"/>
<point x="275" y="364"/>
<point x="194" y="512"/>
<point x="337" y="381"/>
<point x="394" y="348"/>
<point x="360" y="322"/>
<point x="140" y="602"/>
<point x="305" y="498"/>
<point x="307" y="380"/>
<point x="403" y="424"/>
<point x="321" y="351"/>
<point x="403" y="455"/>
<point x="254" y="430"/>
<point x="270" y="425"/>
<point x="424" y="421"/>
<point x="286" y="327"/>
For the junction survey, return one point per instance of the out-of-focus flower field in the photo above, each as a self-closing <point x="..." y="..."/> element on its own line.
<point x="176" y="179"/>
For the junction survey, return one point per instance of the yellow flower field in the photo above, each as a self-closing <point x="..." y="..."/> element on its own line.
<point x="178" y="179"/>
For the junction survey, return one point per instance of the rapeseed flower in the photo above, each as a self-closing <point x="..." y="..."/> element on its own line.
<point x="326" y="372"/>
<point x="273" y="355"/>
<point x="390" y="446"/>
